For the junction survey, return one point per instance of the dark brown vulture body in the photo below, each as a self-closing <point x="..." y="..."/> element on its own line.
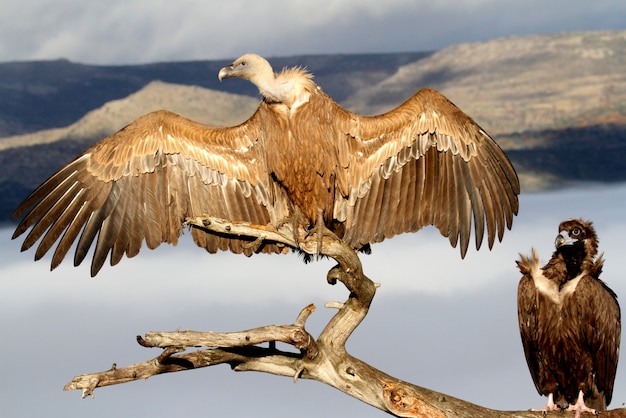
<point x="368" y="178"/>
<point x="570" y="320"/>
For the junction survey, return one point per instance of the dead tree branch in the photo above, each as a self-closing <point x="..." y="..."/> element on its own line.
<point x="323" y="359"/>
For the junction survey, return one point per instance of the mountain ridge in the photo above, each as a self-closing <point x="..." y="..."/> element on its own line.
<point x="518" y="84"/>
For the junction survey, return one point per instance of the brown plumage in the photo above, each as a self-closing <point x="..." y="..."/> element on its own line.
<point x="367" y="178"/>
<point x="570" y="322"/>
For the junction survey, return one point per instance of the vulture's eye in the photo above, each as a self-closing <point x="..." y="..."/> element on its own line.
<point x="576" y="232"/>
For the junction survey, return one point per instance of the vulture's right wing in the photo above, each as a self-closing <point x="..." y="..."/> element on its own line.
<point x="143" y="181"/>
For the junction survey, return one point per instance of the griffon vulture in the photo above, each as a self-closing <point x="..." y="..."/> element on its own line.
<point x="570" y="322"/>
<point x="300" y="155"/>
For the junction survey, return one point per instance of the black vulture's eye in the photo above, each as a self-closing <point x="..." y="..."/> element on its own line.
<point x="576" y="232"/>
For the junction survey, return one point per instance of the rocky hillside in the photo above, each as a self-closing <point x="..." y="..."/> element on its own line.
<point x="529" y="83"/>
<point x="196" y="103"/>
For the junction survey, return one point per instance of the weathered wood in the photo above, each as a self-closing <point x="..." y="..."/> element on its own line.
<point x="324" y="359"/>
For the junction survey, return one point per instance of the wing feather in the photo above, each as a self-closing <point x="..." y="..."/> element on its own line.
<point x="388" y="221"/>
<point x="600" y="315"/>
<point x="370" y="215"/>
<point x="451" y="210"/>
<point x="92" y="228"/>
<point x="49" y="197"/>
<point x="50" y="223"/>
<point x="121" y="241"/>
<point x="139" y="185"/>
<point x="457" y="173"/>
<point x="488" y="216"/>
<point x="462" y="216"/>
<point x="384" y="217"/>
<point x="406" y="198"/>
<point x="497" y="215"/>
<point x="528" y="319"/>
<point x="417" y="183"/>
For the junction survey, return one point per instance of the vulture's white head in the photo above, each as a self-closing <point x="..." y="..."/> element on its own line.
<point x="289" y="87"/>
<point x="258" y="71"/>
<point x="249" y="66"/>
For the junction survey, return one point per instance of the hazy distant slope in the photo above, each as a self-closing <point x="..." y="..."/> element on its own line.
<point x="196" y="103"/>
<point x="519" y="84"/>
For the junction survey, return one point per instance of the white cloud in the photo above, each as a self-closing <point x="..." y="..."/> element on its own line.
<point x="137" y="31"/>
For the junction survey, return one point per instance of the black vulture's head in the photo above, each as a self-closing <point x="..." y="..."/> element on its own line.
<point x="577" y="241"/>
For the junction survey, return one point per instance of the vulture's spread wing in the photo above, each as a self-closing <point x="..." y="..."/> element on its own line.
<point x="370" y="178"/>
<point x="140" y="184"/>
<point x="423" y="163"/>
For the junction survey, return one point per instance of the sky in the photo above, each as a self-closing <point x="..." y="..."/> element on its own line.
<point x="143" y="31"/>
<point x="436" y="321"/>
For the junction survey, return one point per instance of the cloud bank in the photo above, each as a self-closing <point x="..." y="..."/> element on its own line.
<point x="140" y="31"/>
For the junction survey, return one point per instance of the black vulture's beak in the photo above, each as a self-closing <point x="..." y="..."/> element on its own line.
<point x="564" y="239"/>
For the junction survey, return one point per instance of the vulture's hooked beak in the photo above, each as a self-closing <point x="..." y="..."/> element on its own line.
<point x="225" y="72"/>
<point x="564" y="239"/>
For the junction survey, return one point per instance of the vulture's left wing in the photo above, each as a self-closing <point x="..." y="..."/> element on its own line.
<point x="599" y="314"/>
<point x="423" y="163"/>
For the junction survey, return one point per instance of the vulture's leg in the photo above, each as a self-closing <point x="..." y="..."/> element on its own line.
<point x="297" y="220"/>
<point x="550" y="406"/>
<point x="319" y="231"/>
<point x="580" y="406"/>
